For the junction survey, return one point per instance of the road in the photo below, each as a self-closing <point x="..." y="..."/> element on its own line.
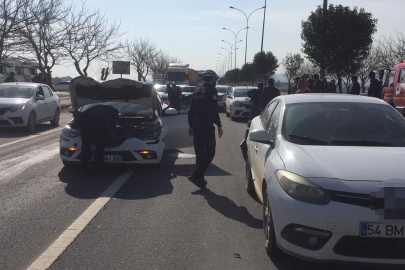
<point x="156" y="220"/>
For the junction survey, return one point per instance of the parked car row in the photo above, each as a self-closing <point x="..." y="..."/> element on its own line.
<point x="322" y="166"/>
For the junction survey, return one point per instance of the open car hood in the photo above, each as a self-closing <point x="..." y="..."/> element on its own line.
<point x="85" y="90"/>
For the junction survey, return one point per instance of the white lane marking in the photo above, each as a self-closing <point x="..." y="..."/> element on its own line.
<point x="13" y="165"/>
<point x="46" y="259"/>
<point x="31" y="137"/>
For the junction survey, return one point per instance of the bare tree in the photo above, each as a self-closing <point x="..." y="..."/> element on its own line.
<point x="41" y="32"/>
<point x="308" y="68"/>
<point x="11" y="18"/>
<point x="292" y="64"/>
<point x="89" y="37"/>
<point x="160" y="63"/>
<point x="141" y="53"/>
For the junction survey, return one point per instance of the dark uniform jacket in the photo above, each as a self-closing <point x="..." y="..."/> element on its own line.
<point x="375" y="89"/>
<point x="10" y="79"/>
<point x="268" y="94"/>
<point x="204" y="108"/>
<point x="319" y="87"/>
<point x="355" y="89"/>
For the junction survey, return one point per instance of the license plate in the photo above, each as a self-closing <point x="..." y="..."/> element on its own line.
<point x="382" y="230"/>
<point x="110" y="158"/>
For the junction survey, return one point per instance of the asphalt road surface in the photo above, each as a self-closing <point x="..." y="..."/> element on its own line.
<point x="156" y="220"/>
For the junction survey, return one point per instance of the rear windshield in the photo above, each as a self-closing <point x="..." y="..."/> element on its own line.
<point x="187" y="89"/>
<point x="222" y="90"/>
<point x="124" y="108"/>
<point x="347" y="124"/>
<point x="242" y="92"/>
<point x="11" y="91"/>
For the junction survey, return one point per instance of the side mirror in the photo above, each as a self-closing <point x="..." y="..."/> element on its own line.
<point x="39" y="97"/>
<point x="260" y="136"/>
<point x="71" y="109"/>
<point x="171" y="111"/>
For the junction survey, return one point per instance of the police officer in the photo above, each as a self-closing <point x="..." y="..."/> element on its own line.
<point x="202" y="116"/>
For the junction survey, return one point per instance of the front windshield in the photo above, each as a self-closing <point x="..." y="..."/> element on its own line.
<point x="7" y="91"/>
<point x="348" y="124"/>
<point x="176" y="76"/>
<point x="161" y="88"/>
<point x="222" y="90"/>
<point x="242" y="92"/>
<point x="8" y="70"/>
<point x="124" y="108"/>
<point x="187" y="89"/>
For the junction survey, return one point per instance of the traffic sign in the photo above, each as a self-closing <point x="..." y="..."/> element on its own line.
<point x="120" y="67"/>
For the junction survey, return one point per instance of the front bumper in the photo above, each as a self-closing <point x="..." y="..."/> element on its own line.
<point x="13" y="119"/>
<point x="340" y="219"/>
<point x="129" y="150"/>
<point x="243" y="111"/>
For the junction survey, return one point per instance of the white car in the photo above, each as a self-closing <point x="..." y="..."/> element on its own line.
<point x="61" y="86"/>
<point x="139" y="134"/>
<point x="238" y="103"/>
<point x="223" y="91"/>
<point x="27" y="104"/>
<point x="328" y="171"/>
<point x="162" y="92"/>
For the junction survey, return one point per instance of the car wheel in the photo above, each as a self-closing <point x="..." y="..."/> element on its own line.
<point x="32" y="122"/>
<point x="250" y="188"/>
<point x="268" y="226"/>
<point x="56" y="117"/>
<point x="232" y="117"/>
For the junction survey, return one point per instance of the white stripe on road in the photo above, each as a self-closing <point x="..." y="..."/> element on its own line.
<point x="59" y="246"/>
<point x="31" y="137"/>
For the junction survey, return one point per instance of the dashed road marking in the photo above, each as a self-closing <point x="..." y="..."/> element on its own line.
<point x="46" y="259"/>
<point x="31" y="137"/>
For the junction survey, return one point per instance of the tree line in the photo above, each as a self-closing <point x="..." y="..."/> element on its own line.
<point x="57" y="32"/>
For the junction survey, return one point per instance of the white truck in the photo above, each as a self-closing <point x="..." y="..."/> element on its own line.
<point x="159" y="78"/>
<point x="25" y="69"/>
<point x="181" y="74"/>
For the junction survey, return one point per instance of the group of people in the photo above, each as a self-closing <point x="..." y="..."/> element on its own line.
<point x="306" y="84"/>
<point x="39" y="78"/>
<point x="262" y="96"/>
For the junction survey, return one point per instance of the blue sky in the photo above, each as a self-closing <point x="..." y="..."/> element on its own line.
<point x="192" y="30"/>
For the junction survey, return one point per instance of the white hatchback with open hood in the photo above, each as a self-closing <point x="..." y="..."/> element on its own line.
<point x="139" y="133"/>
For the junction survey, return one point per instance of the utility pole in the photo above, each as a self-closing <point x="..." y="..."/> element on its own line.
<point x="325" y="32"/>
<point x="264" y="21"/>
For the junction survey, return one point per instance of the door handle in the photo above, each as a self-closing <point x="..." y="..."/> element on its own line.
<point x="256" y="148"/>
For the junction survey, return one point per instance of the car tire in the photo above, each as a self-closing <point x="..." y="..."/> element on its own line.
<point x="250" y="188"/>
<point x="56" y="118"/>
<point x="270" y="244"/>
<point x="32" y="122"/>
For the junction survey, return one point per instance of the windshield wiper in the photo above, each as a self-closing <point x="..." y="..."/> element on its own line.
<point x="361" y="143"/>
<point x="308" y="139"/>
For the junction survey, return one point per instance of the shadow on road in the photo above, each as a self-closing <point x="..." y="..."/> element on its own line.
<point x="229" y="209"/>
<point x="20" y="132"/>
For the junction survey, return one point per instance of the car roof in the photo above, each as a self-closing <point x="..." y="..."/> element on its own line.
<point x="24" y="84"/>
<point x="224" y="86"/>
<point x="244" y="87"/>
<point x="306" y="98"/>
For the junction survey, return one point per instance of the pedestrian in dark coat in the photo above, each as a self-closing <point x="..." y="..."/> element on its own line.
<point x="268" y="94"/>
<point x="10" y="78"/>
<point x="375" y="89"/>
<point x="319" y="87"/>
<point x="356" y="86"/>
<point x="255" y="95"/>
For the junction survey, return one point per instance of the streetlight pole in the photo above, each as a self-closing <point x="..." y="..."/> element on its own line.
<point x="264" y="21"/>
<point x="227" y="56"/>
<point x="224" y="57"/>
<point x="231" y="48"/>
<point x="236" y="38"/>
<point x="247" y="25"/>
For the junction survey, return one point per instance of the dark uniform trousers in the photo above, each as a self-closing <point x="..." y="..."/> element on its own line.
<point x="204" y="146"/>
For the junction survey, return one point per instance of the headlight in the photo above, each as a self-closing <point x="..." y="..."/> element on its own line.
<point x="17" y="108"/>
<point x="150" y="136"/>
<point x="302" y="189"/>
<point x="69" y="132"/>
<point x="237" y="104"/>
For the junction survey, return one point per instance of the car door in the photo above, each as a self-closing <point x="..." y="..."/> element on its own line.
<point x="50" y="103"/>
<point x="255" y="146"/>
<point x="265" y="152"/>
<point x="400" y="89"/>
<point x="40" y="104"/>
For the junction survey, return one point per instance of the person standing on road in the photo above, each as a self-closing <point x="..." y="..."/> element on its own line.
<point x="202" y="116"/>
<point x="39" y="78"/>
<point x="171" y="94"/>
<point x="294" y="87"/>
<point x="319" y="87"/>
<point x="356" y="86"/>
<point x="255" y="95"/>
<point x="268" y="94"/>
<point x="375" y="89"/>
<point x="325" y="84"/>
<point x="303" y="86"/>
<point x="311" y="85"/>
<point x="10" y="78"/>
